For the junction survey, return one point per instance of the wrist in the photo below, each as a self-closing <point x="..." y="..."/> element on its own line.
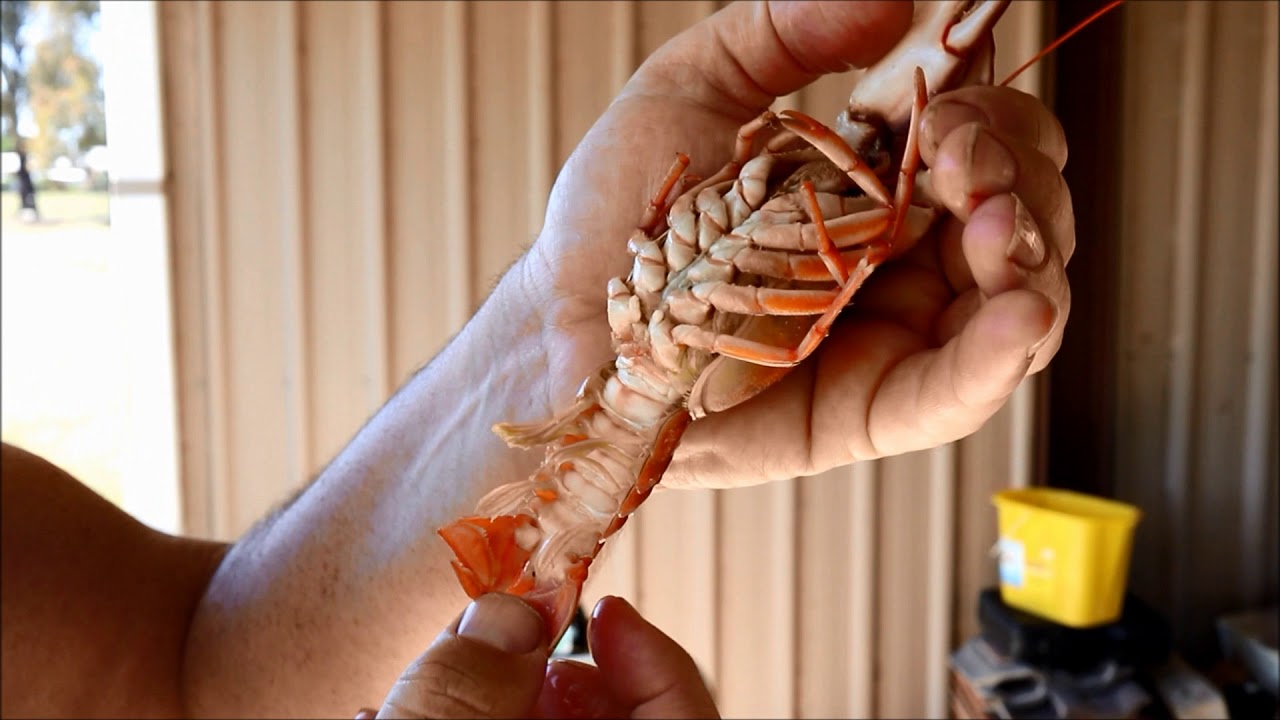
<point x="564" y="280"/>
<point x="493" y="370"/>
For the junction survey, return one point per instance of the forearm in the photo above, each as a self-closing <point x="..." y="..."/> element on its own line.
<point x="318" y="609"/>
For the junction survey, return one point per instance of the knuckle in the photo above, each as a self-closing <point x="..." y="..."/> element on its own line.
<point x="1052" y="138"/>
<point x="1064" y="219"/>
<point x="437" y="689"/>
<point x="1020" y="115"/>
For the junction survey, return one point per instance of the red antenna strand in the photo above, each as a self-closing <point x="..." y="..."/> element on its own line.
<point x="1054" y="45"/>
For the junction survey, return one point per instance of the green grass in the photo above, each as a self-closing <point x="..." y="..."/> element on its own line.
<point x="60" y="206"/>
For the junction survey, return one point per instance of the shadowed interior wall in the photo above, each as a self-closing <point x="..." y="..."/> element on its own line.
<point x="348" y="179"/>
<point x="1196" y="259"/>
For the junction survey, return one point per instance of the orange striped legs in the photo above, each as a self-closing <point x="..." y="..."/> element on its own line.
<point x="744" y="147"/>
<point x="769" y="355"/>
<point x="837" y="151"/>
<point x="910" y="164"/>
<point x="662" y="200"/>
<point x="827" y="249"/>
<point x="781" y="302"/>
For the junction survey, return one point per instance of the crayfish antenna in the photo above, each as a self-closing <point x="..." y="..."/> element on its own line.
<point x="1054" y="45"/>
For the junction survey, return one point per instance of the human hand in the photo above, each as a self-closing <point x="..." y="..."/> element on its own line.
<point x="933" y="345"/>
<point x="492" y="662"/>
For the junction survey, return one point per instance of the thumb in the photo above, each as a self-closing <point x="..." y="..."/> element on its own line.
<point x="752" y="52"/>
<point x="489" y="664"/>
<point x="942" y="395"/>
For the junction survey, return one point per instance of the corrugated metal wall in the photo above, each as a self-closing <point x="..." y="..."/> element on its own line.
<point x="1196" y="423"/>
<point x="347" y="180"/>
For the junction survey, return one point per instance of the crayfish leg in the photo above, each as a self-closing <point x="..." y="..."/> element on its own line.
<point x="761" y="353"/>
<point x="792" y="266"/>
<point x="827" y="249"/>
<point x="910" y="162"/>
<point x="658" y="204"/>
<point x="837" y="151"/>
<point x="743" y="150"/>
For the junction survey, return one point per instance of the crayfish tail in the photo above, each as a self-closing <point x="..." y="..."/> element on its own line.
<point x="557" y="602"/>
<point x="491" y="553"/>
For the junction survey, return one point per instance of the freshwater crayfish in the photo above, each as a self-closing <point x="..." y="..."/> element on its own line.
<point x="735" y="279"/>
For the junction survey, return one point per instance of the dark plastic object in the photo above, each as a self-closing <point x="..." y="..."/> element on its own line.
<point x="1140" y="637"/>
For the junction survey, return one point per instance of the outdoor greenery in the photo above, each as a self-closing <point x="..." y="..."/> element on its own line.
<point x="48" y="72"/>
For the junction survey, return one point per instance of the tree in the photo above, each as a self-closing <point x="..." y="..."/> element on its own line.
<point x="13" y="18"/>
<point x="56" y="80"/>
<point x="65" y="83"/>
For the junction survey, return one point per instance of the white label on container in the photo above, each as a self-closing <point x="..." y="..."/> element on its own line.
<point x="1012" y="562"/>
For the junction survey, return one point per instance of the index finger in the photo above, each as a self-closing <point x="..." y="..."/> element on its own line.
<point x="645" y="669"/>
<point x="1011" y="112"/>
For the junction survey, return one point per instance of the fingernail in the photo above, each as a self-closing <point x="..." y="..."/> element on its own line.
<point x="600" y="604"/>
<point x="1026" y="247"/>
<point x="1037" y="345"/>
<point x="947" y="115"/>
<point x="503" y="622"/>
<point x="990" y="160"/>
<point x="571" y="694"/>
<point x="1048" y="334"/>
<point x="609" y="600"/>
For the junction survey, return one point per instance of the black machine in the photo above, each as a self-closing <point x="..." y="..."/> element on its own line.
<point x="1139" y="638"/>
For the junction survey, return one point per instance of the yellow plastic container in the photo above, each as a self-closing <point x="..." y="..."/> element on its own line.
<point x="1064" y="556"/>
